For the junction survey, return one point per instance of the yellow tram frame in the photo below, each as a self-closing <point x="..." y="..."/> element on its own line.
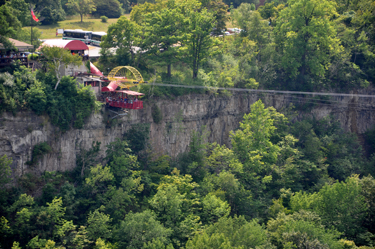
<point x="125" y="83"/>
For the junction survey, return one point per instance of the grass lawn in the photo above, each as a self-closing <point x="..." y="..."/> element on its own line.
<point x="74" y="22"/>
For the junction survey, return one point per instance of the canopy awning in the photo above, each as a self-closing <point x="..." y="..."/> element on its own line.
<point x="67" y="44"/>
<point x="128" y="92"/>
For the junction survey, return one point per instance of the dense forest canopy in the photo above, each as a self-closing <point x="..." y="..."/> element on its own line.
<point x="281" y="183"/>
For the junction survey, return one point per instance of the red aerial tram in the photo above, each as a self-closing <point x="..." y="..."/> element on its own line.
<point x="121" y="98"/>
<point x="128" y="101"/>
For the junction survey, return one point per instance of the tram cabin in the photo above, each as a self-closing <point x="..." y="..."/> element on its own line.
<point x="124" y="99"/>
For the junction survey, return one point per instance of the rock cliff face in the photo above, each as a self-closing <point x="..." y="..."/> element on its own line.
<point x="181" y="116"/>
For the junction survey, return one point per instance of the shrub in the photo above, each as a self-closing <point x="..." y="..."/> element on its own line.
<point x="137" y="136"/>
<point x="38" y="151"/>
<point x="69" y="105"/>
<point x="104" y="18"/>
<point x="37" y="98"/>
<point x="32" y="56"/>
<point x="156" y="114"/>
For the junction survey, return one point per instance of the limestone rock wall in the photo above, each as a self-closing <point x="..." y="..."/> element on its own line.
<point x="181" y="116"/>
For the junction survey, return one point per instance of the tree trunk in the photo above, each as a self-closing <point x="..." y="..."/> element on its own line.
<point x="81" y="17"/>
<point x="195" y="71"/>
<point x="169" y="73"/>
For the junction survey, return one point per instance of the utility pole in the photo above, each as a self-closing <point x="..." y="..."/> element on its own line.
<point x="31" y="27"/>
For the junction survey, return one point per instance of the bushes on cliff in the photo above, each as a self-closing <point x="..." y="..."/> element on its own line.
<point x="68" y="106"/>
<point x="37" y="98"/>
<point x="157" y="116"/>
<point x="13" y="89"/>
<point x="137" y="136"/>
<point x="38" y="151"/>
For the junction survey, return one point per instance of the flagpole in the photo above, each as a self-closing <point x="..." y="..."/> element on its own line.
<point x="31" y="28"/>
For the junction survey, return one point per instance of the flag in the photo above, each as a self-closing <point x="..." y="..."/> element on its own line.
<point x="33" y="15"/>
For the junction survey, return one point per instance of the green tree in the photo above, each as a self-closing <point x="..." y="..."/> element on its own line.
<point x="220" y="12"/>
<point x="162" y="32"/>
<point x="306" y="39"/>
<point x="302" y="230"/>
<point x="5" y="171"/>
<point x="270" y="11"/>
<point x="21" y="10"/>
<point x="252" y="142"/>
<point x="241" y="16"/>
<point x="119" y="201"/>
<point x="368" y="192"/>
<point x="86" y="158"/>
<point x="82" y="7"/>
<point x="99" y="177"/>
<point x="232" y="232"/>
<point x="341" y="206"/>
<point x="100" y="244"/>
<point x="364" y="23"/>
<point x="128" y="31"/>
<point x="98" y="225"/>
<point x="36" y="97"/>
<point x="206" y="241"/>
<point x="52" y="14"/>
<point x="139" y="228"/>
<point x="9" y="26"/>
<point x="197" y="40"/>
<point x="50" y="218"/>
<point x="237" y="3"/>
<point x="139" y="11"/>
<point x="176" y="205"/>
<point x="31" y="37"/>
<point x="123" y="167"/>
<point x="110" y="9"/>
<point x="260" y="32"/>
<point x="221" y="158"/>
<point x="50" y="11"/>
<point x="58" y="58"/>
<point x="214" y="208"/>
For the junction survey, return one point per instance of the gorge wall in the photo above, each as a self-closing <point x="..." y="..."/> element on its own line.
<point x="180" y="117"/>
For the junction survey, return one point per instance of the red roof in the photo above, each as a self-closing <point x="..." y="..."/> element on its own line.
<point x="67" y="44"/>
<point x="112" y="88"/>
<point x="130" y="92"/>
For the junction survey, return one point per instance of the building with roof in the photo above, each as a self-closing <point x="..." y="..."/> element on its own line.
<point x="19" y="45"/>
<point x="74" y="46"/>
<point x="8" y="56"/>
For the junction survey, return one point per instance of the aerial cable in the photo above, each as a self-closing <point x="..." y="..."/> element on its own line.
<point x="335" y="105"/>
<point x="268" y="91"/>
<point x="333" y="102"/>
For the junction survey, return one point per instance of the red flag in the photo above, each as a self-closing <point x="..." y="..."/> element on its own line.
<point x="33" y="15"/>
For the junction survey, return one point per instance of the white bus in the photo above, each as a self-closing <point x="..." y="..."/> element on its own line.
<point x="96" y="38"/>
<point x="77" y="34"/>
